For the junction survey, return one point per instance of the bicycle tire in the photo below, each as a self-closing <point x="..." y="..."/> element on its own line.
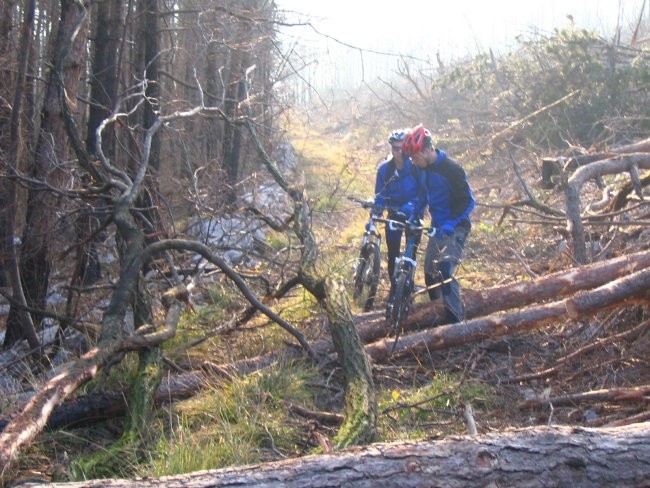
<point x="401" y="303"/>
<point x="366" y="278"/>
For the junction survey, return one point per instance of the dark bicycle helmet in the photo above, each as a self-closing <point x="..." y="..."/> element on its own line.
<point x="397" y="135"/>
<point x="416" y="140"/>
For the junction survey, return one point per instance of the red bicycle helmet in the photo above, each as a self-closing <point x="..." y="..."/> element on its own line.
<point x="416" y="140"/>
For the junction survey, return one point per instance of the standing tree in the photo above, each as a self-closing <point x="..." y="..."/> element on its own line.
<point x="48" y="171"/>
<point x="9" y="142"/>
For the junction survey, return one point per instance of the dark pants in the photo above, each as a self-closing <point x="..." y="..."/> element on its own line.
<point x="440" y="263"/>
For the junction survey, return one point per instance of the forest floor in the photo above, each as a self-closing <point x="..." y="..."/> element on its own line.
<point x="425" y="396"/>
<point x="510" y="244"/>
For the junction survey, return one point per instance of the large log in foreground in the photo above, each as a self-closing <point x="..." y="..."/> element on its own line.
<point x="532" y="457"/>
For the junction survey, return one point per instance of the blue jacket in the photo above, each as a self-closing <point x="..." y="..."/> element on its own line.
<point x="398" y="189"/>
<point x="448" y="194"/>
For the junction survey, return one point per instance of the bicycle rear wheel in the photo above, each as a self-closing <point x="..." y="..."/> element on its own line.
<point x="401" y="303"/>
<point x="366" y="278"/>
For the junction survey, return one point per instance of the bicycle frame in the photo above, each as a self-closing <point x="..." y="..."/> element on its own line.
<point x="407" y="260"/>
<point x="366" y="267"/>
<point x="371" y="236"/>
<point x="404" y="276"/>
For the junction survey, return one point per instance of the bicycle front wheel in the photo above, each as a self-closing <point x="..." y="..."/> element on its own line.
<point x="366" y="278"/>
<point x="401" y="303"/>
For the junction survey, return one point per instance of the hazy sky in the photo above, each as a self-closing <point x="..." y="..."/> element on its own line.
<point x="455" y="27"/>
<point x="427" y="29"/>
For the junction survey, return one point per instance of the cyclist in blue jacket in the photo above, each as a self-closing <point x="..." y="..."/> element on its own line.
<point x="450" y="201"/>
<point x="397" y="190"/>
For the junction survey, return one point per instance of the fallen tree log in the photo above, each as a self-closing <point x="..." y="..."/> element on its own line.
<point x="554" y="167"/>
<point x="372" y="326"/>
<point x="624" y="291"/>
<point x="553" y="286"/>
<point x="616" y="395"/>
<point x="575" y="162"/>
<point x="533" y="457"/>
<point x="98" y="406"/>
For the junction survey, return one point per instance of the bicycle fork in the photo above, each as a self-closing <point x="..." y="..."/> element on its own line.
<point x="404" y="276"/>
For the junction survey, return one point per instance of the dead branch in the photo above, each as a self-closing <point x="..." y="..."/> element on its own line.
<point x="532" y="201"/>
<point x="634" y="419"/>
<point x="628" y="335"/>
<point x="207" y="253"/>
<point x="615" y="395"/>
<point x="575" y="162"/>
<point x="580" y="176"/>
<point x="25" y="426"/>
<point x="500" y="136"/>
<point x="326" y="418"/>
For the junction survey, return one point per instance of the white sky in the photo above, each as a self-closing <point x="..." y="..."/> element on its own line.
<point x="425" y="29"/>
<point x="455" y="27"/>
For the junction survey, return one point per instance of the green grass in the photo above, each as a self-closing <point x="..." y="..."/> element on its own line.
<point x="241" y="422"/>
<point x="435" y="408"/>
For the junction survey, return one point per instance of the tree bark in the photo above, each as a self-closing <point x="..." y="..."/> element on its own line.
<point x="22" y="325"/>
<point x="484" y="302"/>
<point x="634" y="394"/>
<point x="536" y="457"/>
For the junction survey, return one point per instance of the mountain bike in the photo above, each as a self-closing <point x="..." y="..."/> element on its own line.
<point x="404" y="277"/>
<point x="367" y="266"/>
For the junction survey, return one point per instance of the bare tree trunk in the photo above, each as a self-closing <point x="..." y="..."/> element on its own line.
<point x="626" y="163"/>
<point x="147" y="378"/>
<point x="107" y="28"/>
<point x="47" y="167"/>
<point x="235" y="94"/>
<point x="536" y="457"/>
<point x="22" y="325"/>
<point x="7" y="82"/>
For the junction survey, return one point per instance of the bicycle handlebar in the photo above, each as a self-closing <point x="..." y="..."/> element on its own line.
<point x="370" y="204"/>
<point x="411" y="226"/>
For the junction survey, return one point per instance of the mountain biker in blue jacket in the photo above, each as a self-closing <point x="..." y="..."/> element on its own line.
<point x="397" y="190"/>
<point x="450" y="202"/>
